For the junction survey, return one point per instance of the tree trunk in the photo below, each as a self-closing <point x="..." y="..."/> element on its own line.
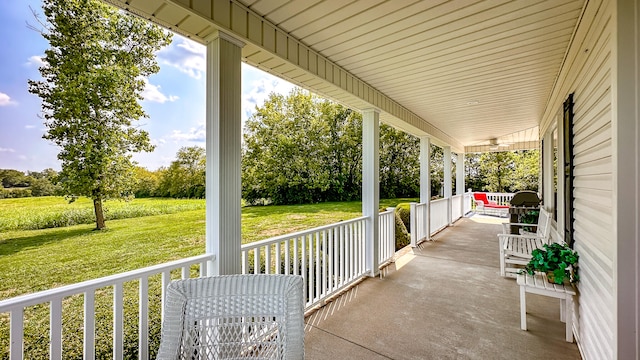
<point x="97" y="206"/>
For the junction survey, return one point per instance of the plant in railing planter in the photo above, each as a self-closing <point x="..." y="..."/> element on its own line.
<point x="558" y="261"/>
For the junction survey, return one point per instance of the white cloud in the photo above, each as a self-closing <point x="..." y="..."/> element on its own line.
<point x="259" y="91"/>
<point x="36" y="60"/>
<point x="29" y="127"/>
<point x="196" y="134"/>
<point x="5" y="100"/>
<point x="185" y="55"/>
<point x="152" y="93"/>
<point x="7" y="150"/>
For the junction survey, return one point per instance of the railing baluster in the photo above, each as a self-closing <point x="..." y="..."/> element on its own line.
<point x="186" y="272"/>
<point x="89" y="342"/>
<point x="143" y="319"/>
<point x="118" y="321"/>
<point x="316" y="237"/>
<point x="245" y="261"/>
<point x="295" y="256"/>
<point x="55" y="329"/>
<point x="350" y="257"/>
<point x="256" y="260"/>
<point x="278" y="259"/>
<point x="325" y="260"/>
<point x="342" y="251"/>
<point x="16" y="334"/>
<point x="310" y="268"/>
<point x="287" y="257"/>
<point x="304" y="271"/>
<point x="267" y="259"/>
<point x="166" y="279"/>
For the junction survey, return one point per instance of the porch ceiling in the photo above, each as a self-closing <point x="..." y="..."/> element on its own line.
<point x="473" y="73"/>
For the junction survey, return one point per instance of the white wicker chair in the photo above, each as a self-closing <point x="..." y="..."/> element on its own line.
<point x="234" y="317"/>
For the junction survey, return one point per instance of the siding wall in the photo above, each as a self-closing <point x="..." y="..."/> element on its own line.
<point x="587" y="73"/>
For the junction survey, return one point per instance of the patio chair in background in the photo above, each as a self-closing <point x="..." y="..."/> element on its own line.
<point x="489" y="207"/>
<point x="515" y="249"/>
<point x="234" y="317"/>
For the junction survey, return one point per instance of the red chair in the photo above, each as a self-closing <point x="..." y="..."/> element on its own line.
<point x="489" y="207"/>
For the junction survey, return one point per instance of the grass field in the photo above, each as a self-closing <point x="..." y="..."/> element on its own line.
<point x="35" y="260"/>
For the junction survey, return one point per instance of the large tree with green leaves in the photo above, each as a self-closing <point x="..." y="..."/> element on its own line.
<point x="92" y="82"/>
<point x="186" y="176"/>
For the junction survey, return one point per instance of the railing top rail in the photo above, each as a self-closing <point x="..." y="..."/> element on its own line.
<point x="73" y="289"/>
<point x="439" y="200"/>
<point x="284" y="237"/>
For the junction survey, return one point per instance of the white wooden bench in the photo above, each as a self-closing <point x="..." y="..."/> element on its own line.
<point x="515" y="250"/>
<point x="538" y="284"/>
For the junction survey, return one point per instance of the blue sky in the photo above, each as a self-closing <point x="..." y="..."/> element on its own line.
<point x="174" y="97"/>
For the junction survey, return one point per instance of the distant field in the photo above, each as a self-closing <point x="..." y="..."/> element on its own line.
<point x="53" y="211"/>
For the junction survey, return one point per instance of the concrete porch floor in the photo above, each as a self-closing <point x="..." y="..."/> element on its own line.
<point x="443" y="300"/>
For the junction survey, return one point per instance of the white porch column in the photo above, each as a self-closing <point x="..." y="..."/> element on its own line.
<point x="460" y="190"/>
<point x="547" y="172"/>
<point x="447" y="180"/>
<point x="224" y="133"/>
<point x="425" y="180"/>
<point x="371" y="185"/>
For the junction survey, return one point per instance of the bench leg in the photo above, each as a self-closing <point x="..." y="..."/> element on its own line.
<point x="523" y="309"/>
<point x="563" y="312"/>
<point x="568" y="314"/>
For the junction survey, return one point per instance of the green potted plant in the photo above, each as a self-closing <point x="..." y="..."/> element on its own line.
<point x="558" y="261"/>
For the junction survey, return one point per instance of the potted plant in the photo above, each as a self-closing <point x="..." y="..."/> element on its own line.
<point x="558" y="261"/>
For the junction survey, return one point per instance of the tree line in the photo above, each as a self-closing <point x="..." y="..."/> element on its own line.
<point x="300" y="148"/>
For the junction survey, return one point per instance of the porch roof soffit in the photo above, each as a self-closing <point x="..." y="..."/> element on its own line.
<point x="461" y="74"/>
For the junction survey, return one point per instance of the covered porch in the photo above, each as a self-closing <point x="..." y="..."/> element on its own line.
<point x="444" y="299"/>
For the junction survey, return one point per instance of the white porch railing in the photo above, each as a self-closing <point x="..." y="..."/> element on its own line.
<point x="329" y="258"/>
<point x="387" y="236"/>
<point x="467" y="202"/>
<point x="90" y="290"/>
<point x="418" y="223"/>
<point x="439" y="216"/>
<point x="500" y="198"/>
<point x="456" y="207"/>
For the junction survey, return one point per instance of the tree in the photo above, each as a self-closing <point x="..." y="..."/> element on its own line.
<point x="13" y="178"/>
<point x="474" y="178"/>
<point x="436" y="165"/>
<point x="147" y="182"/>
<point x="185" y="177"/>
<point x="92" y="80"/>
<point x="399" y="163"/>
<point x="497" y="168"/>
<point x="527" y="171"/>
<point x="284" y="153"/>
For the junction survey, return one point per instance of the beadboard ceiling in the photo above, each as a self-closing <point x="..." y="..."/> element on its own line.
<point x="479" y="73"/>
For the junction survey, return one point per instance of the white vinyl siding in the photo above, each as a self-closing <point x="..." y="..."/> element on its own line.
<point x="587" y="74"/>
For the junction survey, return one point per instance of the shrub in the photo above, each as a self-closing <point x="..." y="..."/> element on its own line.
<point x="402" y="236"/>
<point x="404" y="210"/>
